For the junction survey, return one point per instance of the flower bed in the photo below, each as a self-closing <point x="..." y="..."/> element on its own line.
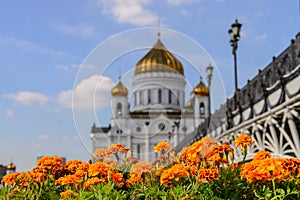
<point x="204" y="170"/>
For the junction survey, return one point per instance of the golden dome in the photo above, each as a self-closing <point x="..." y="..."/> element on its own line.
<point x="190" y="103"/>
<point x="119" y="89"/>
<point x="158" y="59"/>
<point x="11" y="167"/>
<point x="201" y="89"/>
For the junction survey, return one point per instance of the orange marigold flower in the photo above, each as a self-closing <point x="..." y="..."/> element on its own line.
<point x="133" y="179"/>
<point x="117" y="148"/>
<point x="162" y="146"/>
<point x="208" y="175"/>
<point x="243" y="140"/>
<point x="66" y="194"/>
<point x="219" y="154"/>
<point x="92" y="181"/>
<point x="68" y="180"/>
<point x="100" y="153"/>
<point x="53" y="163"/>
<point x="82" y="170"/>
<point x="265" y="170"/>
<point x="199" y="149"/>
<point x="173" y="174"/>
<point x="17" y="178"/>
<point x="193" y="170"/>
<point x="38" y="175"/>
<point x="262" y="154"/>
<point x="72" y="165"/>
<point x="291" y="164"/>
<point x="183" y="154"/>
<point x="98" y="169"/>
<point x="142" y="167"/>
<point x="117" y="178"/>
<point x="9" y="179"/>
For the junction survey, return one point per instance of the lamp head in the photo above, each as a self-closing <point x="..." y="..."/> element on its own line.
<point x="236" y="28"/>
<point x="209" y="70"/>
<point x="231" y="35"/>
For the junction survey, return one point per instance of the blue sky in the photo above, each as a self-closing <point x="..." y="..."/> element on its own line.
<point x="44" y="43"/>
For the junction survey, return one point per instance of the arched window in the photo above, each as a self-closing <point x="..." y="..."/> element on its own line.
<point x="149" y="96"/>
<point x="159" y="95"/>
<point x="201" y="107"/>
<point x="119" y="109"/>
<point x="170" y="96"/>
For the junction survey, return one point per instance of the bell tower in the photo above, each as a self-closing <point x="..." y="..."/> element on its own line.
<point x="201" y="104"/>
<point x="120" y="100"/>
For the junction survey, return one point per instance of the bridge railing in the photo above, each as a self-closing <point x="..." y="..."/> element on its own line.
<point x="258" y="91"/>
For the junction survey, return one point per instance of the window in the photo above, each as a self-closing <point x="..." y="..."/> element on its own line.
<point x="119" y="109"/>
<point x="159" y="95"/>
<point x="202" y="111"/>
<point x="161" y="126"/>
<point x="170" y="96"/>
<point x="149" y="96"/>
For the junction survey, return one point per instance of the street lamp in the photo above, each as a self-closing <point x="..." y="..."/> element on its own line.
<point x="234" y="34"/>
<point x="209" y="72"/>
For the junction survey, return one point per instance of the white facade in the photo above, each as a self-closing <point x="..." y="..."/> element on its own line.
<point x="159" y="113"/>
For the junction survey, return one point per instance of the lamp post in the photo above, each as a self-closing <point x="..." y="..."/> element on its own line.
<point x="209" y="72"/>
<point x="234" y="34"/>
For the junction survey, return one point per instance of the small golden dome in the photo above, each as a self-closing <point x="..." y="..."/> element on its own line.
<point x="11" y="167"/>
<point x="190" y="103"/>
<point x="201" y="89"/>
<point x="119" y="89"/>
<point x="158" y="59"/>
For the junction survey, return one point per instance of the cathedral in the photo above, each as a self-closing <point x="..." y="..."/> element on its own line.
<point x="159" y="112"/>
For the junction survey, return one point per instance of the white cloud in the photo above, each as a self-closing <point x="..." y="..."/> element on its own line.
<point x="44" y="136"/>
<point x="261" y="37"/>
<point x="10" y="113"/>
<point x="27" y="97"/>
<point x="178" y="2"/>
<point x="80" y="30"/>
<point x="73" y="67"/>
<point x="129" y="11"/>
<point x="94" y="90"/>
<point x="29" y="46"/>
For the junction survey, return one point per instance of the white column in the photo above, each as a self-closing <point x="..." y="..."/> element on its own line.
<point x="155" y="96"/>
<point x="129" y="140"/>
<point x="147" y="144"/>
